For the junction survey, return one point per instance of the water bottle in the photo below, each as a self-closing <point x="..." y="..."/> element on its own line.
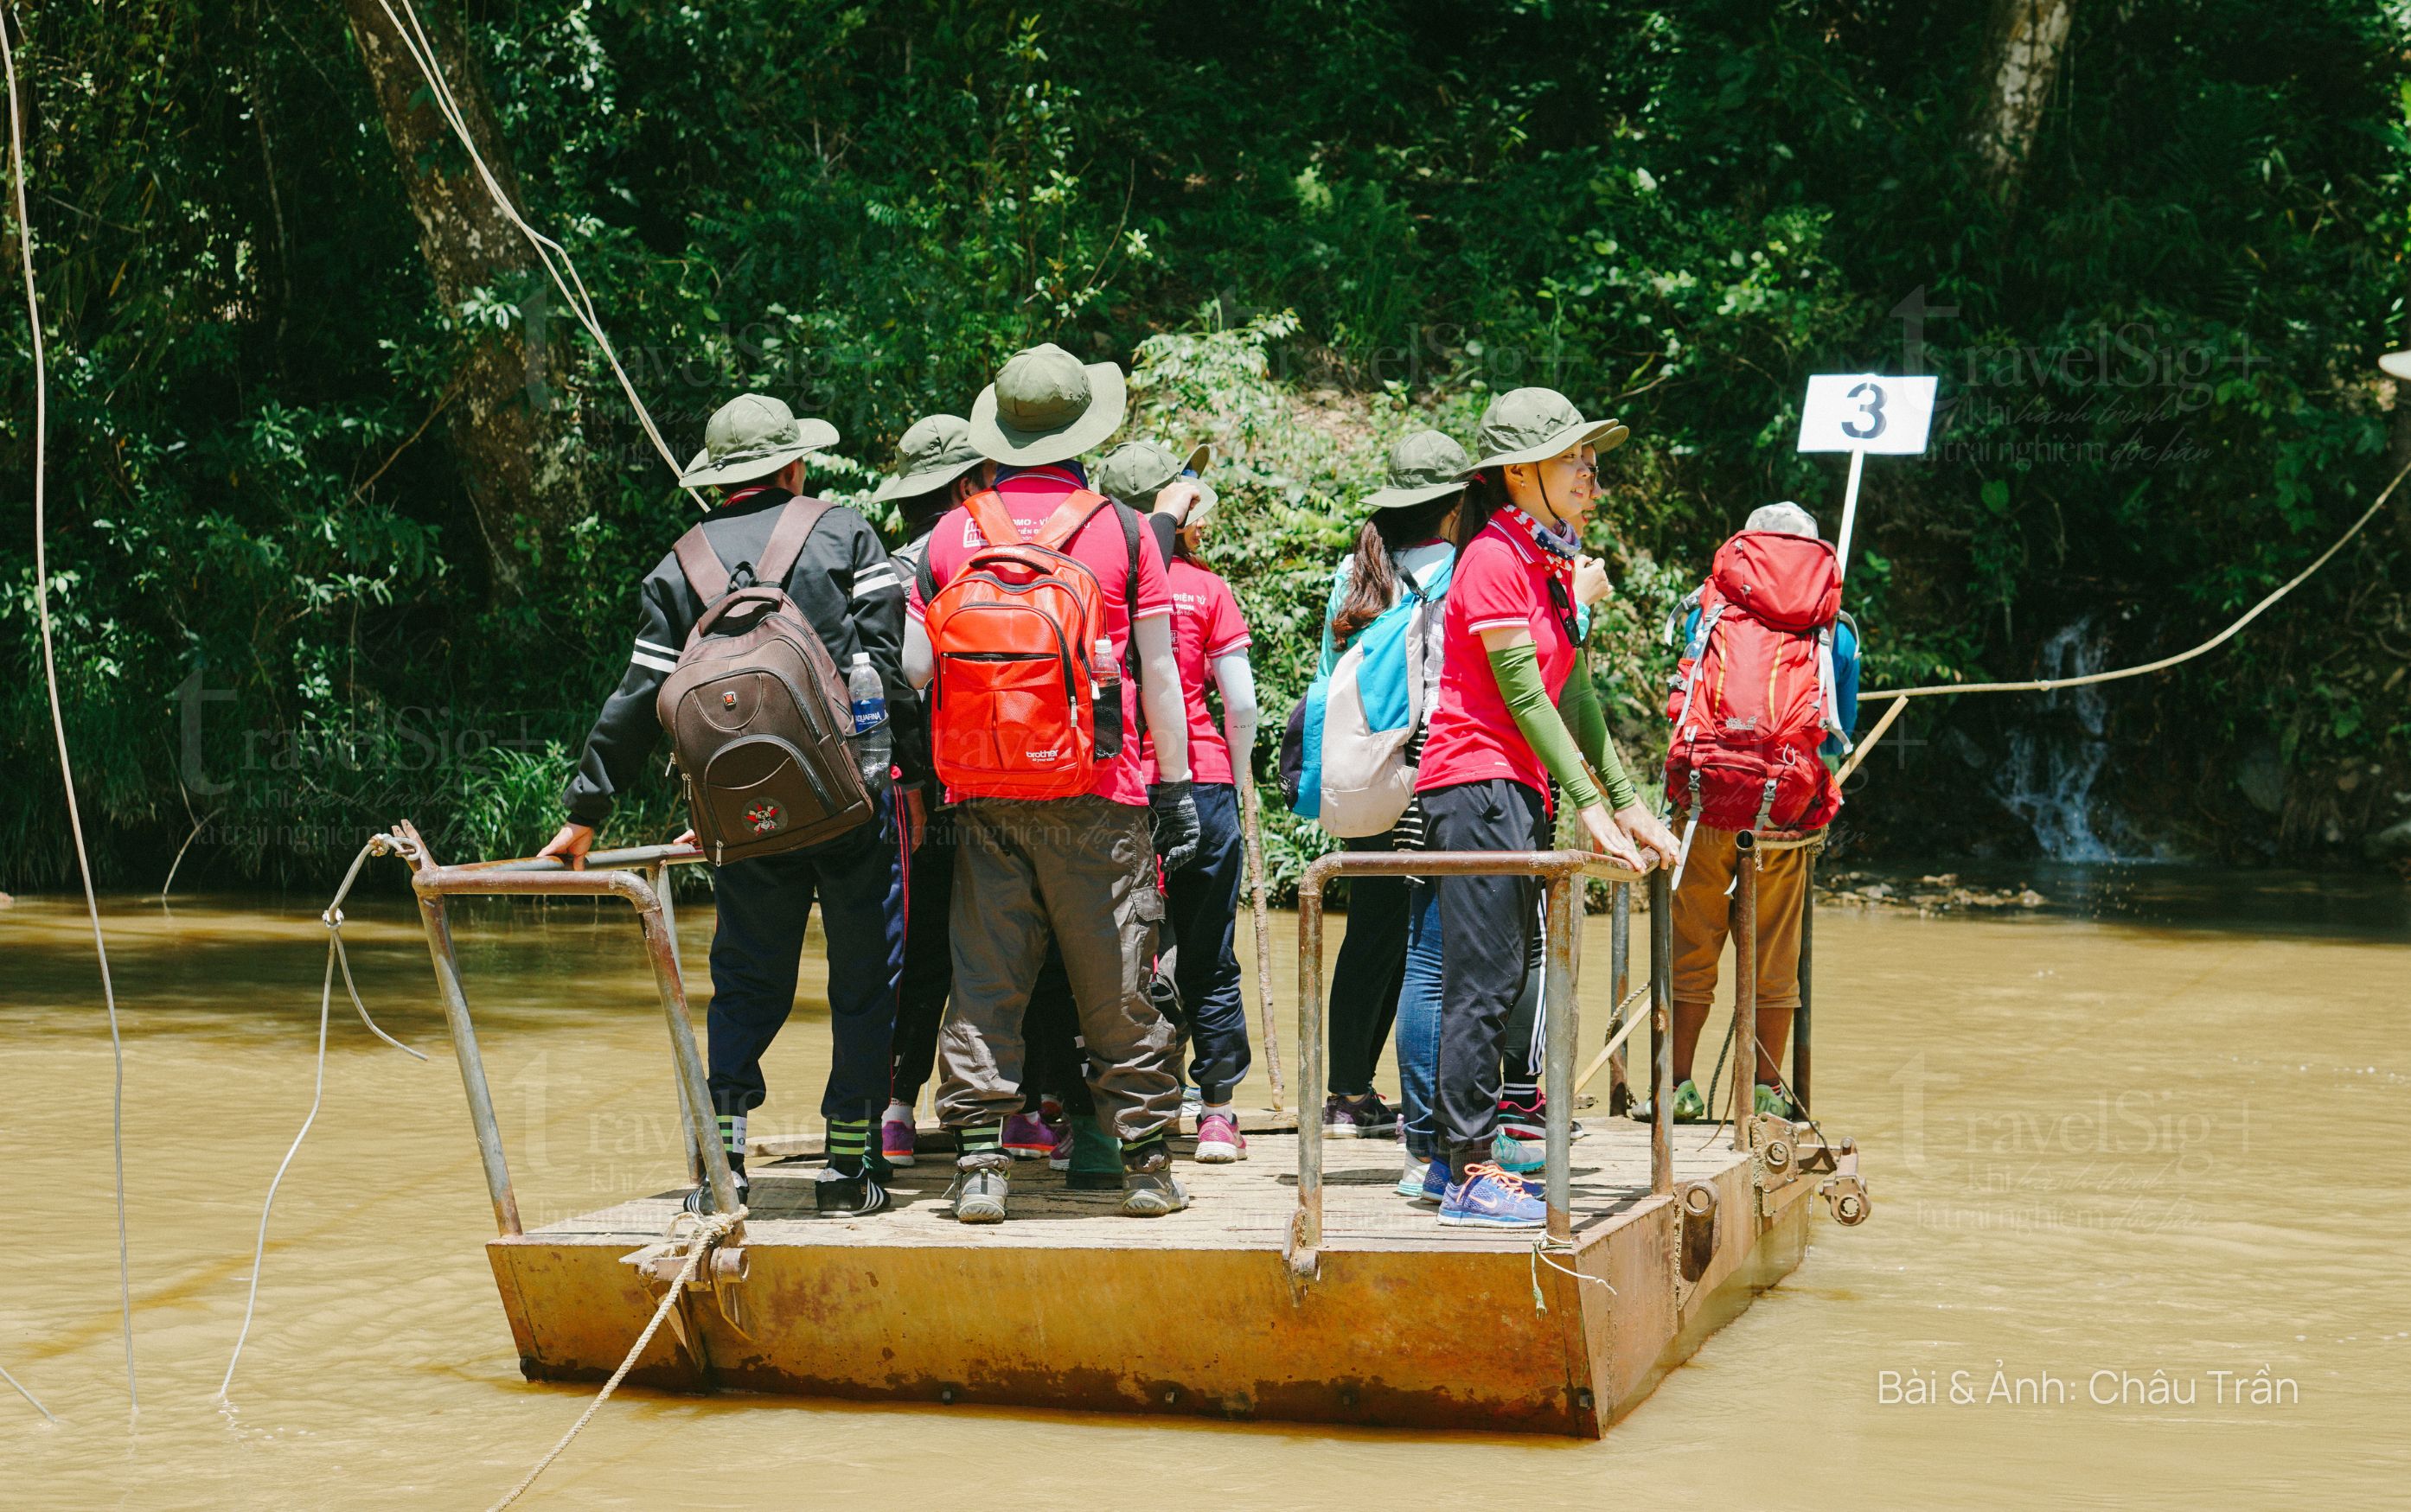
<point x="1106" y="709"/>
<point x="873" y="741"/>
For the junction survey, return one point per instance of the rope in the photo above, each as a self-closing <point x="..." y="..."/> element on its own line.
<point x="27" y="1395"/>
<point x="2045" y="685"/>
<point x="333" y="920"/>
<point x="58" y="720"/>
<point x="1545" y="1247"/>
<point x="421" y="49"/>
<point x="710" y="1232"/>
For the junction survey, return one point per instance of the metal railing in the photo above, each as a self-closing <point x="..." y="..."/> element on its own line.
<point x="608" y="874"/>
<point x="1561" y="872"/>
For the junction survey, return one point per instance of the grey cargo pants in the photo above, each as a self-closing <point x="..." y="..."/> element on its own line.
<point x="1084" y="870"/>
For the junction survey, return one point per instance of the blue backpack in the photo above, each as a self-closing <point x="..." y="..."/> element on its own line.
<point x="1354" y="726"/>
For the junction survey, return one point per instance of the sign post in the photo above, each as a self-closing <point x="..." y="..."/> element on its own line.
<point x="1860" y="413"/>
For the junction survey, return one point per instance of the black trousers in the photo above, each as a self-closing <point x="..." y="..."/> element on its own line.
<point x="1365" y="984"/>
<point x="1490" y="926"/>
<point x="929" y="959"/>
<point x="757" y="953"/>
<point x="1203" y="900"/>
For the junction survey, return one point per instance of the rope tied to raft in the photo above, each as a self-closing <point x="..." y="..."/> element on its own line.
<point x="1544" y="1250"/>
<point x="709" y="1230"/>
<point x="337" y="957"/>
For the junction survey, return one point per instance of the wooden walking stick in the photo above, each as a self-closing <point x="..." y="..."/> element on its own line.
<point x="1255" y="835"/>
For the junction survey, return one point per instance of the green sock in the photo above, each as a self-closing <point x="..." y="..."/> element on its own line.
<point x="849" y="1145"/>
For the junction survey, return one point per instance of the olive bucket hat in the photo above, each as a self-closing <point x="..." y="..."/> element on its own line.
<point x="1047" y="406"/>
<point x="1532" y="424"/>
<point x="752" y="436"/>
<point x="1135" y="472"/>
<point x="1424" y="465"/>
<point x="934" y="451"/>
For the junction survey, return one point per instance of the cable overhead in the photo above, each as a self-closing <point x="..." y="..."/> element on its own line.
<point x="421" y="48"/>
<point x="58" y="720"/>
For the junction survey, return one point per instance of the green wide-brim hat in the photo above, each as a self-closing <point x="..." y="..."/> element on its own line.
<point x="1136" y="470"/>
<point x="933" y="452"/>
<point x="1424" y="465"/>
<point x="1047" y="406"/>
<point x="752" y="436"/>
<point x="1532" y="424"/>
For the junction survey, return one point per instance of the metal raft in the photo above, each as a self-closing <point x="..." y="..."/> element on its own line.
<point x="1332" y="1299"/>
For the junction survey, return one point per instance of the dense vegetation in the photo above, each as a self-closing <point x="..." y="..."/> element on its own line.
<point x="296" y="600"/>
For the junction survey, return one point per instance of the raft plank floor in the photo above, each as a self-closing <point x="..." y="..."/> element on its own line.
<point x="1070" y="1304"/>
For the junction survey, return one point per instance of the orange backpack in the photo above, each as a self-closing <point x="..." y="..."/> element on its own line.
<point x="1022" y="706"/>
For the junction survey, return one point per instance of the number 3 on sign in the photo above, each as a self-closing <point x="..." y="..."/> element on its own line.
<point x="1865" y="412"/>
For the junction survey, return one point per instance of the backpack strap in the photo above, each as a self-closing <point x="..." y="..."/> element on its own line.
<point x="1130" y="523"/>
<point x="996" y="522"/>
<point x="709" y="577"/>
<point x="1072" y="514"/>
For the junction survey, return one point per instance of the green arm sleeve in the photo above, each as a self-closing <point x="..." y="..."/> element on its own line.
<point x="1518" y="671"/>
<point x="1579" y="706"/>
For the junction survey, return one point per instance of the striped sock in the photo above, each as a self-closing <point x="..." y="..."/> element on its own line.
<point x="984" y="1139"/>
<point x="849" y="1145"/>
<point x="1137" y="1153"/>
<point x="731" y="1139"/>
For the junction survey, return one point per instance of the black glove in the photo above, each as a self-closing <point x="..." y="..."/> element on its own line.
<point x="1174" y="810"/>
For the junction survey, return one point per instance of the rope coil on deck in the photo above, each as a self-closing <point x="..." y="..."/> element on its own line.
<point x="709" y="1230"/>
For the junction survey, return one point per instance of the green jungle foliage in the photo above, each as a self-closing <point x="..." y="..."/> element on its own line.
<point x="1309" y="227"/>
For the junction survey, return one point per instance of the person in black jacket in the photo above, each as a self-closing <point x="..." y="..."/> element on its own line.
<point x="853" y="598"/>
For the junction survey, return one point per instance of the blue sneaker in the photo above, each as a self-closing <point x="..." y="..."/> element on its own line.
<point x="1423" y="1180"/>
<point x="1489" y="1198"/>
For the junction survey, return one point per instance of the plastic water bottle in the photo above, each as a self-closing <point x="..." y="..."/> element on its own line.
<point x="873" y="742"/>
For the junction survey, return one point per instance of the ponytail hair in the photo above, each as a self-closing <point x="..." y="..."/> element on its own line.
<point x="1373" y="573"/>
<point x="1486" y="496"/>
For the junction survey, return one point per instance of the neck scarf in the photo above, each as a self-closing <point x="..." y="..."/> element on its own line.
<point x="1557" y="554"/>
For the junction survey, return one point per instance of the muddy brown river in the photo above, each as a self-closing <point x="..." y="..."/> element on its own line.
<point x="2141" y="1168"/>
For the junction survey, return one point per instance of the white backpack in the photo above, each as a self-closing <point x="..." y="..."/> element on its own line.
<point x="1361" y="719"/>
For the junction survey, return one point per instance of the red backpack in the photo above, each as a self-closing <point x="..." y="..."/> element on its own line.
<point x="1021" y="705"/>
<point x="1752" y="697"/>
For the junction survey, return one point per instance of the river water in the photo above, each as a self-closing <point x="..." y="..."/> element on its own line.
<point x="2150" y="1145"/>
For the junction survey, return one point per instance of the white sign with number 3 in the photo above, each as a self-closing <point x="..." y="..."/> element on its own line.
<point x="1866" y="412"/>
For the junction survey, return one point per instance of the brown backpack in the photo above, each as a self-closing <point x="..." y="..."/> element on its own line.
<point x="756" y="710"/>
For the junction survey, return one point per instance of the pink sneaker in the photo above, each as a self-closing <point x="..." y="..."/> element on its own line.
<point x="1060" y="1159"/>
<point x="1027" y="1138"/>
<point x="896" y="1137"/>
<point x="1219" y="1140"/>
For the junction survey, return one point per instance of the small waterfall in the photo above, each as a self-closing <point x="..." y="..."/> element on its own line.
<point x="2053" y="764"/>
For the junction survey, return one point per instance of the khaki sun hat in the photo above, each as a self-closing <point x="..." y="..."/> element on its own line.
<point x="1424" y="465"/>
<point x="1047" y="406"/>
<point x="1207" y="500"/>
<point x="2397" y="364"/>
<point x="1532" y="424"/>
<point x="1786" y="518"/>
<point x="934" y="451"/>
<point x="1135" y="472"/>
<point x="752" y="436"/>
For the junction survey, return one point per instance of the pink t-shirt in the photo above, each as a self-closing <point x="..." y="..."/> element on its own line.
<point x="1501" y="582"/>
<point x="1205" y="625"/>
<point x="1101" y="545"/>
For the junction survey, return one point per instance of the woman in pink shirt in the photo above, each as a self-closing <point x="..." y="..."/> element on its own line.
<point x="1516" y="709"/>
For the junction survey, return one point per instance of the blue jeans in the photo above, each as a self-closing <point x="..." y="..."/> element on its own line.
<point x="1419" y="1022"/>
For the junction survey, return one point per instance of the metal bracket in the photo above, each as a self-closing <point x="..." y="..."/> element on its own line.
<point x="1846" y="1195"/>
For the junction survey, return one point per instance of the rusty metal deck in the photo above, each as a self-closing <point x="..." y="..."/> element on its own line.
<point x="1070" y="1304"/>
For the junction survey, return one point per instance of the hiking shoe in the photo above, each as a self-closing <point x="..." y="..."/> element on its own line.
<point x="1689" y="1106"/>
<point x="1096" y="1160"/>
<point x="1148" y="1188"/>
<point x="897" y="1136"/>
<point x="1359" y="1118"/>
<point x="1512" y="1150"/>
<point x="1220" y="1141"/>
<point x="855" y="1197"/>
<point x="1027" y="1138"/>
<point x="1770" y="1101"/>
<point x="978" y="1195"/>
<point x="1489" y="1198"/>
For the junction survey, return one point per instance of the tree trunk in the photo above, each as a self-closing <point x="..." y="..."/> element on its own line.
<point x="510" y="429"/>
<point x="2025" y="46"/>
